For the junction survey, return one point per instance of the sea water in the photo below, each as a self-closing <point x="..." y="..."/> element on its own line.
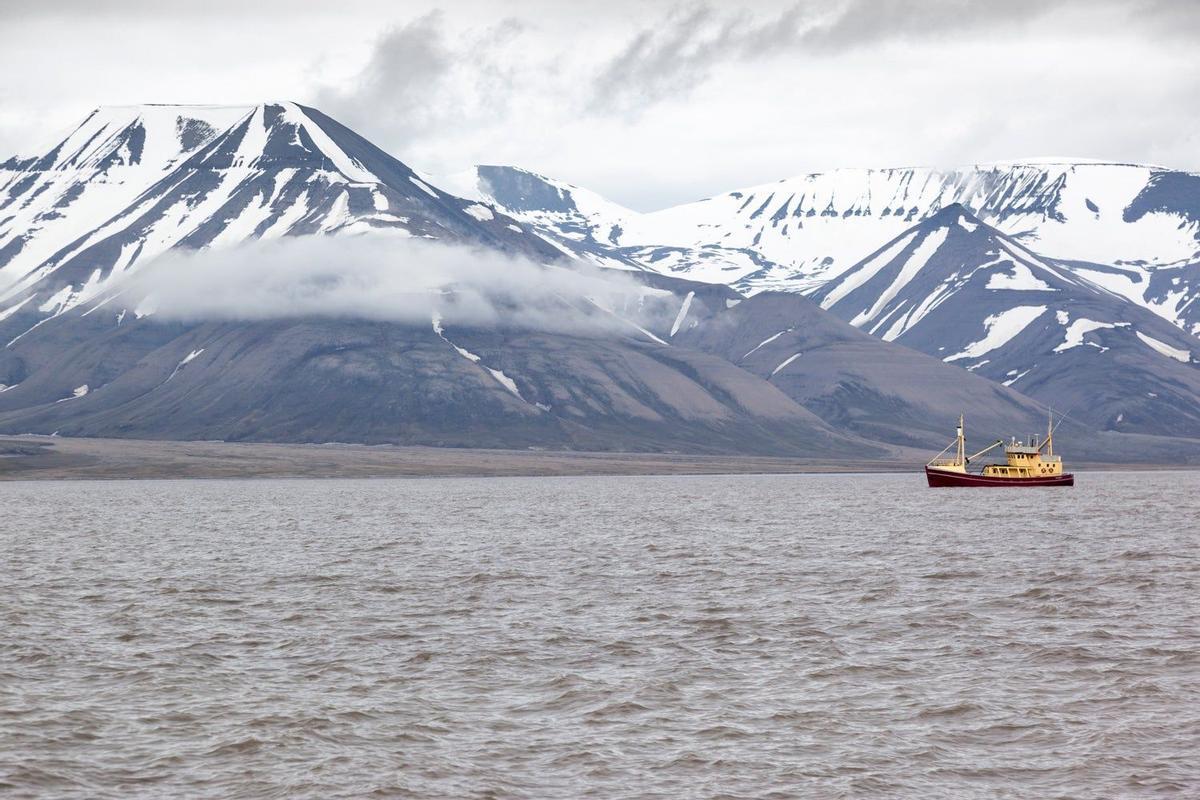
<point x="750" y="636"/>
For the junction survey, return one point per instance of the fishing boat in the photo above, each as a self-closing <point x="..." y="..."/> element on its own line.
<point x="1027" y="464"/>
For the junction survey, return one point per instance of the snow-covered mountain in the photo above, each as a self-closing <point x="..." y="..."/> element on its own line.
<point x="130" y="183"/>
<point x="956" y="288"/>
<point x="799" y="233"/>
<point x="685" y="364"/>
<point x="964" y="264"/>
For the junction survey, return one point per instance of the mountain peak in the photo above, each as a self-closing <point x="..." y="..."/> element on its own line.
<point x="950" y="215"/>
<point x="157" y="135"/>
<point x="950" y="263"/>
<point x="522" y="191"/>
<point x="127" y="136"/>
<point x="140" y="180"/>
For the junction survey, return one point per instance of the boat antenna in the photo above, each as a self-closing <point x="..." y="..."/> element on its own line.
<point x="1061" y="419"/>
<point x="1051" y="428"/>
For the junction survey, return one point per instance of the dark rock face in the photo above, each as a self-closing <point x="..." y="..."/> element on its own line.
<point x="856" y="382"/>
<point x="519" y="190"/>
<point x="1175" y="193"/>
<point x="1179" y="284"/>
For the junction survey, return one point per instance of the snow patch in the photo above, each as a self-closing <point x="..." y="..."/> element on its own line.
<point x="505" y="381"/>
<point x="550" y="241"/>
<point x="785" y="363"/>
<point x="1019" y="278"/>
<point x="423" y="187"/>
<point x="462" y="351"/>
<point x="57" y="301"/>
<point x="76" y="393"/>
<point x="498" y="375"/>
<point x="189" y="358"/>
<point x="768" y="340"/>
<point x="1079" y="328"/>
<point x="8" y="312"/>
<point x="1016" y="377"/>
<point x="342" y="161"/>
<point x="1000" y="329"/>
<point x="481" y="213"/>
<point x="683" y="312"/>
<point x="1165" y="349"/>
<point x="864" y="273"/>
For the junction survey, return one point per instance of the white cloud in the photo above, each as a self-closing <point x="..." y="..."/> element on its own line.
<point x="381" y="277"/>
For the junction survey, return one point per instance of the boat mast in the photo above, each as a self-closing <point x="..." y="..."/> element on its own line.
<point x="962" y="443"/>
<point x="1050" y="435"/>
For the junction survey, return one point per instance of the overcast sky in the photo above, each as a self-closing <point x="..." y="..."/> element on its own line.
<point x="648" y="103"/>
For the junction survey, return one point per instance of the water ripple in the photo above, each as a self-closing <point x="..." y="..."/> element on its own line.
<point x="739" y="637"/>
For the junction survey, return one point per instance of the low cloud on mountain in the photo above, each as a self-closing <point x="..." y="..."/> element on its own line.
<point x="381" y="277"/>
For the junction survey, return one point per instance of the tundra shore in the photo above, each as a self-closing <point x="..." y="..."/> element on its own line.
<point x="61" y="458"/>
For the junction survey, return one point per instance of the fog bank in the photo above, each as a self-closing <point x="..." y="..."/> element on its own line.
<point x="385" y="277"/>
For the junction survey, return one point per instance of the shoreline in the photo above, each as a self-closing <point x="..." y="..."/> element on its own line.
<point x="36" y="457"/>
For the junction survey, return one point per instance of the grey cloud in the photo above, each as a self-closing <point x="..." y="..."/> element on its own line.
<point x="420" y="79"/>
<point x="1172" y="17"/>
<point x="406" y="71"/>
<point x="149" y="9"/>
<point x="672" y="56"/>
<point x="859" y="22"/>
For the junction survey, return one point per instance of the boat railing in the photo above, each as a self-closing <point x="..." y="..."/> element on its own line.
<point x="944" y="462"/>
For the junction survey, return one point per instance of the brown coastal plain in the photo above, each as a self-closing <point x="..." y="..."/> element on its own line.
<point x="59" y="458"/>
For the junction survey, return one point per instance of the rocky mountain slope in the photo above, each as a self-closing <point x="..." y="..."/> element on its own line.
<point x="855" y="381"/>
<point x="958" y="289"/>
<point x="318" y="380"/>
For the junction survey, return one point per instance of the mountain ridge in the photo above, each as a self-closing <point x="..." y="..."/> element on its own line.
<point x="797" y="233"/>
<point x="129" y="185"/>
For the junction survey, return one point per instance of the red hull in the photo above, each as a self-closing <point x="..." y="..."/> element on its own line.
<point x="938" y="477"/>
